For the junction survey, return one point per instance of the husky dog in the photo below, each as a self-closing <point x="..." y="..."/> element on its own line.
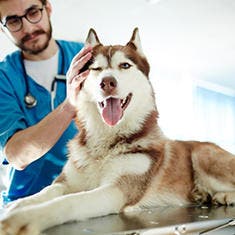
<point x="121" y="161"/>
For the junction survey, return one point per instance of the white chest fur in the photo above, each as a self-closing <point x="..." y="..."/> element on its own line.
<point x="88" y="173"/>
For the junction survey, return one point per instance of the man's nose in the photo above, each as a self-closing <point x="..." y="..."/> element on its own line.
<point x="27" y="27"/>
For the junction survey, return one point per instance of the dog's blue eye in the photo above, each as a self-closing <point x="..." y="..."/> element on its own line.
<point x="124" y="65"/>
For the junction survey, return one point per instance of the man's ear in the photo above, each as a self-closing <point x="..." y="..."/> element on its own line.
<point x="48" y="7"/>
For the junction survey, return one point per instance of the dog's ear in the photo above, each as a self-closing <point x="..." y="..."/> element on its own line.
<point x="135" y="42"/>
<point x="92" y="38"/>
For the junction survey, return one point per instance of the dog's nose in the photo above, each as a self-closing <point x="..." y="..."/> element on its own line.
<point x="108" y="84"/>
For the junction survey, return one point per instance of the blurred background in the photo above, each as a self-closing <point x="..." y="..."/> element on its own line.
<point x="190" y="45"/>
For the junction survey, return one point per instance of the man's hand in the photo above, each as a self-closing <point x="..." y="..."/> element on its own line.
<point x="74" y="77"/>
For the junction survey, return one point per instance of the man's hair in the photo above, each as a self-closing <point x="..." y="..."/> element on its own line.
<point x="42" y="1"/>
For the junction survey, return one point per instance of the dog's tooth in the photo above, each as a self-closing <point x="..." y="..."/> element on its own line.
<point x="123" y="101"/>
<point x="102" y="104"/>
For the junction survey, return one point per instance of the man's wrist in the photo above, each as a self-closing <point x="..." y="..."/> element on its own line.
<point x="69" y="109"/>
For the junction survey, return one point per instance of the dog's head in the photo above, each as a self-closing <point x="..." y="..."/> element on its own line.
<point x="118" y="84"/>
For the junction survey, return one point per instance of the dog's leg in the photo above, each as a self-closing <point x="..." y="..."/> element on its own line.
<point x="46" y="194"/>
<point x="214" y="174"/>
<point x="32" y="220"/>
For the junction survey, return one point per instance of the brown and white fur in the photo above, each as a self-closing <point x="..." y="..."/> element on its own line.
<point x="120" y="160"/>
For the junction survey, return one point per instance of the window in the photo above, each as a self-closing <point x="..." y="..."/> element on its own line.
<point x="215" y="117"/>
<point x="190" y="111"/>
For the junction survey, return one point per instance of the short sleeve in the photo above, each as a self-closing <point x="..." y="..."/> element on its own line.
<point x="11" y="115"/>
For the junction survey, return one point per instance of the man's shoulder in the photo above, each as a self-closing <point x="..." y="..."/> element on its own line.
<point x="72" y="46"/>
<point x="10" y="60"/>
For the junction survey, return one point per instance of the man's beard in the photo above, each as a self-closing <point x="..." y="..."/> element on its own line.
<point x="35" y="49"/>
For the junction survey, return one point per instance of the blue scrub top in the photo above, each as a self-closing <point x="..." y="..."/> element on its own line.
<point x="15" y="116"/>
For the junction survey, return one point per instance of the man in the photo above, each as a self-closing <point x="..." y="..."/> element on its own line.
<point x="35" y="125"/>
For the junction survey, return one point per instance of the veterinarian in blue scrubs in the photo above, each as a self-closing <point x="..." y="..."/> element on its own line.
<point x="37" y="108"/>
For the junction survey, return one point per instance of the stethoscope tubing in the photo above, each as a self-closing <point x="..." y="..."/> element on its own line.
<point x="29" y="99"/>
<point x="58" y="77"/>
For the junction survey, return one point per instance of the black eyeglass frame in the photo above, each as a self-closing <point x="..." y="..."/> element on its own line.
<point x="24" y="16"/>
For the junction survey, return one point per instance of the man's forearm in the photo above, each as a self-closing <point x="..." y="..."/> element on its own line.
<point x="30" y="144"/>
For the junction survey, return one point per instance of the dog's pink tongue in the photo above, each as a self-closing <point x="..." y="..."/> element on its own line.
<point x="112" y="112"/>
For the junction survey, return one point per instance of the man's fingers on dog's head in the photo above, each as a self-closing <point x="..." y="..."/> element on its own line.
<point x="82" y="61"/>
<point x="83" y="52"/>
<point x="79" y="79"/>
<point x="76" y="66"/>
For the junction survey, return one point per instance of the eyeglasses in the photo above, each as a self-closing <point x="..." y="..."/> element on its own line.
<point x="15" y="23"/>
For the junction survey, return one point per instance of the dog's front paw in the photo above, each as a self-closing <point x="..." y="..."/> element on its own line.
<point x="18" y="224"/>
<point x="19" y="203"/>
<point x="224" y="198"/>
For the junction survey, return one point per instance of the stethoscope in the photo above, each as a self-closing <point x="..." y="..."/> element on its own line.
<point x="29" y="99"/>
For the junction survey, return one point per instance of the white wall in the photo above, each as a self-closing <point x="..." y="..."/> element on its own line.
<point x="193" y="36"/>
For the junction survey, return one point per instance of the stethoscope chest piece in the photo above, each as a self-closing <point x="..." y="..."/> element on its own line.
<point x="30" y="101"/>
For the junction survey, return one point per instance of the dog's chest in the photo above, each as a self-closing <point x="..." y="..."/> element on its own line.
<point x="91" y="171"/>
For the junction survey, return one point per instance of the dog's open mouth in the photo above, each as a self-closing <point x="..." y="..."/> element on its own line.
<point x="113" y="108"/>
